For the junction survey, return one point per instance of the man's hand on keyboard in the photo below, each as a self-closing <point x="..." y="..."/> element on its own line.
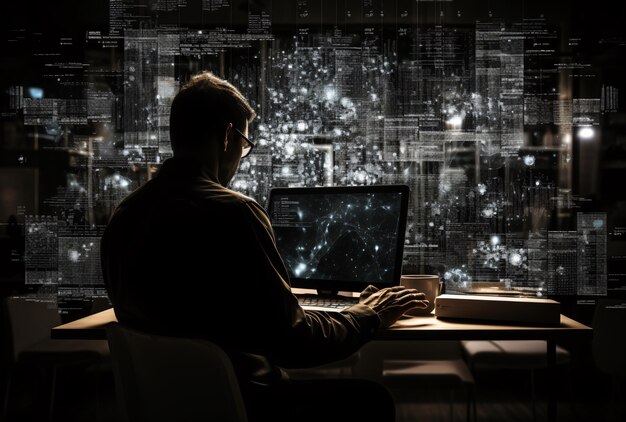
<point x="392" y="302"/>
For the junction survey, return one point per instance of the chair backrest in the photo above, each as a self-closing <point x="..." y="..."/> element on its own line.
<point x="30" y="321"/>
<point x="159" y="378"/>
<point x="609" y="336"/>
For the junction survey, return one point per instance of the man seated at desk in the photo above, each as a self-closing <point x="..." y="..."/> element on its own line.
<point x="184" y="255"/>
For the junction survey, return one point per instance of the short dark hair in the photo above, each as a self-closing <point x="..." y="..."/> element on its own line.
<point x="204" y="106"/>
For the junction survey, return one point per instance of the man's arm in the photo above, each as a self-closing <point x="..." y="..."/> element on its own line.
<point x="295" y="337"/>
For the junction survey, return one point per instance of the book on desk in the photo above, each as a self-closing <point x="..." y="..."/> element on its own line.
<point x="498" y="308"/>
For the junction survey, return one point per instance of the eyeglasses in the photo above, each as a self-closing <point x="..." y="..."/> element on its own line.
<point x="246" y="149"/>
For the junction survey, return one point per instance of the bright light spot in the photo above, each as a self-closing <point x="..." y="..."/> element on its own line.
<point x="586" y="132"/>
<point x="488" y="212"/>
<point x="301" y="126"/>
<point x="299" y="269"/>
<point x="240" y="184"/>
<point x="330" y="94"/>
<point x="360" y="176"/>
<point x="35" y="92"/>
<point x="529" y="160"/>
<point x="73" y="255"/>
<point x="515" y="259"/>
<point x="455" y="121"/>
<point x="495" y="240"/>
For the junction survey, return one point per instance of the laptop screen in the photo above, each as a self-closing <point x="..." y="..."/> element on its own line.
<point x="341" y="238"/>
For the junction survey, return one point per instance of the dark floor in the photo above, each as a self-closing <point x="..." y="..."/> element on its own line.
<point x="505" y="396"/>
<point x="88" y="395"/>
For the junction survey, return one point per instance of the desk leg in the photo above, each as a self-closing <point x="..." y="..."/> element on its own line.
<point x="552" y="380"/>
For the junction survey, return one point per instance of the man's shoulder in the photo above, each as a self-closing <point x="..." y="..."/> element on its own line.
<point x="212" y="191"/>
<point x="231" y="198"/>
<point x="196" y="200"/>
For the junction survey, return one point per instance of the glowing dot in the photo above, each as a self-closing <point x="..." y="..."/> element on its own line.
<point x="73" y="255"/>
<point x="495" y="240"/>
<point x="488" y="212"/>
<point x="300" y="268"/>
<point x="515" y="259"/>
<point x="455" y="121"/>
<point x="586" y="132"/>
<point x="330" y="94"/>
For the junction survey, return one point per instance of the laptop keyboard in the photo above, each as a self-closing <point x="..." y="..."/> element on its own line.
<point x="330" y="304"/>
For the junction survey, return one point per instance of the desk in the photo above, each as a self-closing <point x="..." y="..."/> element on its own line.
<point x="415" y="328"/>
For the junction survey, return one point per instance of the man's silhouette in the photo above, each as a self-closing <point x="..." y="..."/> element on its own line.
<point x="184" y="255"/>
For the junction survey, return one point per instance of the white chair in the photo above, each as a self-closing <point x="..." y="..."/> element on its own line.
<point x="484" y="355"/>
<point x="29" y="323"/>
<point x="161" y="378"/>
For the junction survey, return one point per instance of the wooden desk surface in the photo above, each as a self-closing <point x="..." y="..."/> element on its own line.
<point x="414" y="328"/>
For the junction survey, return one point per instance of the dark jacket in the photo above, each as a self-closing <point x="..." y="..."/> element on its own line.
<point x="183" y="255"/>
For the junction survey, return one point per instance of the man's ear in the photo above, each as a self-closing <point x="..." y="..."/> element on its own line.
<point x="226" y="133"/>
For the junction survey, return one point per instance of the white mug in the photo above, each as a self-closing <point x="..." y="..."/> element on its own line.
<point x="429" y="284"/>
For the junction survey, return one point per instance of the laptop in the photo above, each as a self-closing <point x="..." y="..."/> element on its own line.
<point x="335" y="241"/>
